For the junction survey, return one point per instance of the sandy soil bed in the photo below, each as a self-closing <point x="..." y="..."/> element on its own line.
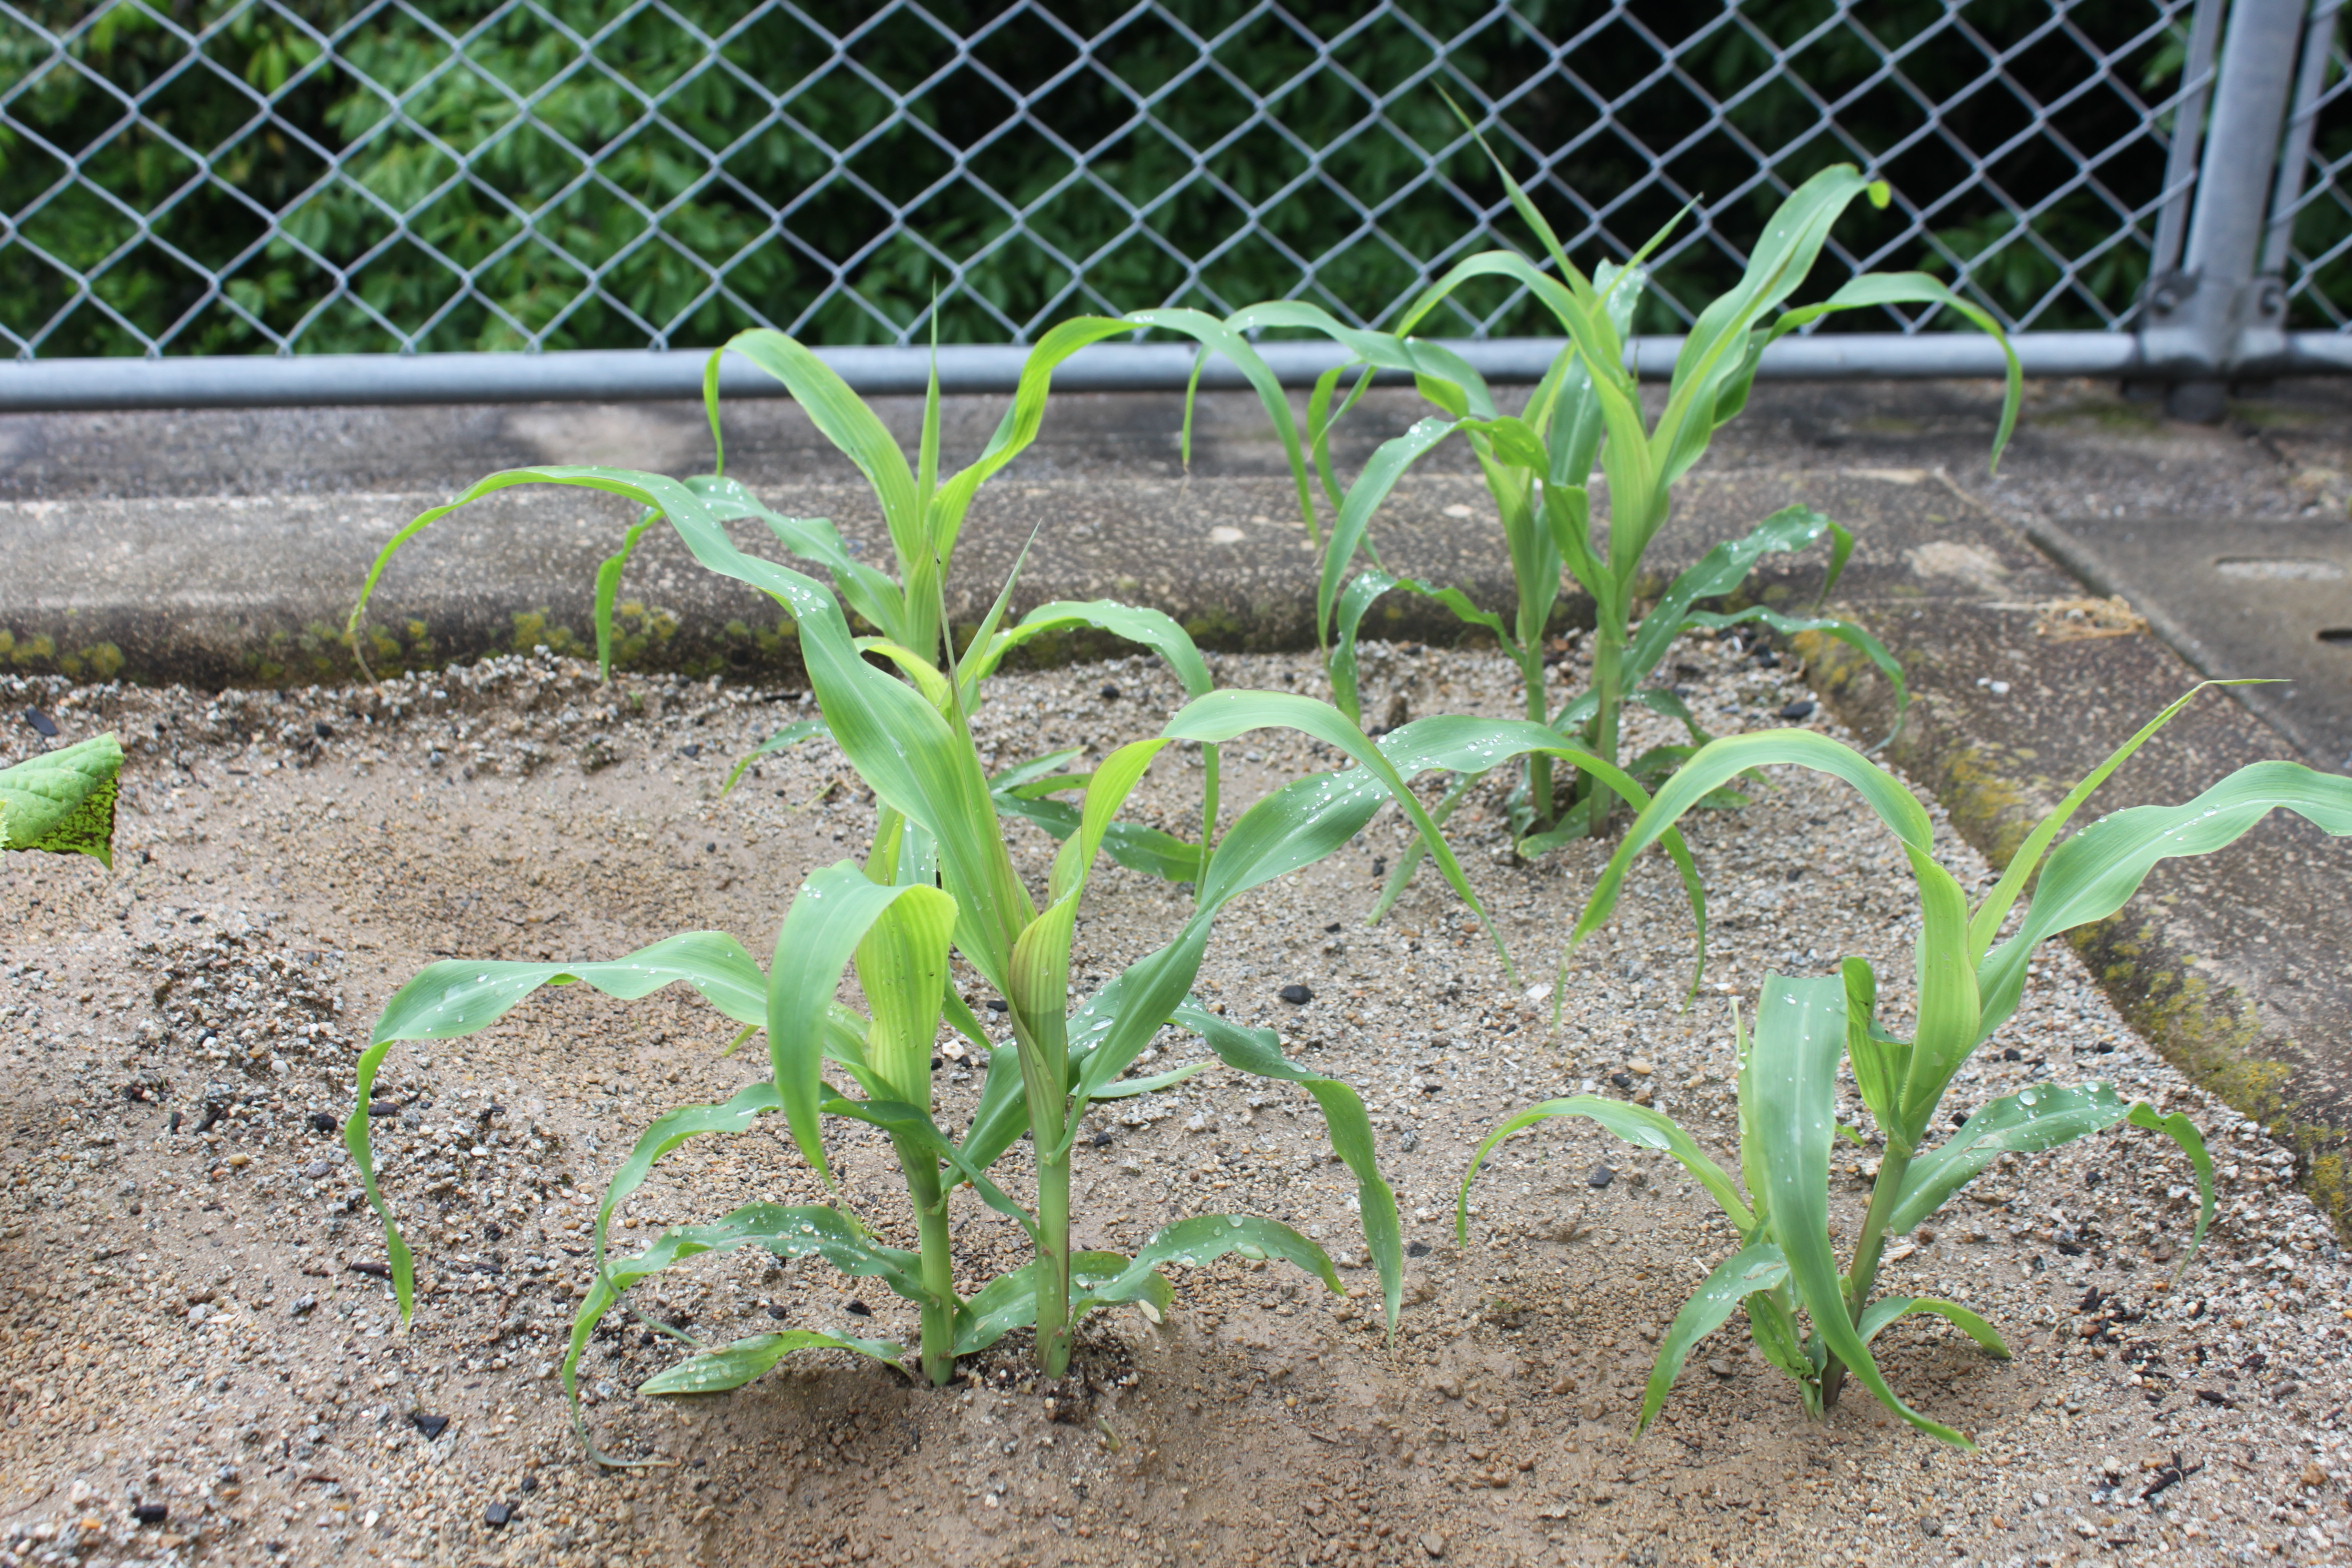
<point x="199" y="1365"/>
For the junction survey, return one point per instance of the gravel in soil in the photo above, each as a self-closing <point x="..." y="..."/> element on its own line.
<point x="202" y="1362"/>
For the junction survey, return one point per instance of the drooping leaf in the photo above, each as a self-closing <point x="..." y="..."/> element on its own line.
<point x="1882" y="1313"/>
<point x="2094" y="873"/>
<point x="2027" y="1122"/>
<point x="732" y="1366"/>
<point x="1757" y="1266"/>
<point x="62" y="802"/>
<point x="1259" y="1052"/>
<point x="1637" y="1125"/>
<point x="1195" y="1243"/>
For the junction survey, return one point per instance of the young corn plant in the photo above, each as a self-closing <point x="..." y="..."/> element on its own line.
<point x="939" y="881"/>
<point x="62" y="802"/>
<point x="1538" y="466"/>
<point x="924" y="513"/>
<point x="1807" y="1316"/>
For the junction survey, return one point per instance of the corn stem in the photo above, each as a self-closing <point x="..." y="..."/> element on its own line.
<point x="930" y="1199"/>
<point x="1869" y="1249"/>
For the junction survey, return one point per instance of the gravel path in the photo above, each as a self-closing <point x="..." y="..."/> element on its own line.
<point x="201" y="1357"/>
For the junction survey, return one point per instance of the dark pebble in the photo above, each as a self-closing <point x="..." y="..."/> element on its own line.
<point x="431" y="1426"/>
<point x="1331" y="929"/>
<point x="320" y="1121"/>
<point x="1110" y="694"/>
<point x="858" y="1309"/>
<point x="710" y="848"/>
<point x="1622" y="1080"/>
<point x="43" y="725"/>
<point x="691" y="752"/>
<point x="778" y="1311"/>
<point x="1416" y="1249"/>
<point x="1797" y="710"/>
<point x="1601" y="1176"/>
<point x="497" y="1515"/>
<point x="377" y="1270"/>
<point x="151" y="1513"/>
<point x="323" y="729"/>
<point x="529" y="1484"/>
<point x="1296" y="995"/>
<point x="1103" y="1139"/>
<point x="383" y="1107"/>
<point x="2012" y="1054"/>
<point x="1766" y="659"/>
<point x="997" y="1004"/>
<point x="1380" y="865"/>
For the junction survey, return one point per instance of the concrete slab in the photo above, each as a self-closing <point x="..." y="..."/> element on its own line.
<point x="2265" y="597"/>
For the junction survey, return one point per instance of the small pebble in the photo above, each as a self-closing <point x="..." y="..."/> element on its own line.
<point x="43" y="725"/>
<point x="1800" y="709"/>
<point x="1601" y="1176"/>
<point x="1416" y="1249"/>
<point x="1433" y="1543"/>
<point x="320" y="1121"/>
<point x="858" y="1309"/>
<point x="431" y="1426"/>
<point x="151" y="1513"/>
<point x="497" y="1515"/>
<point x="1297" y="995"/>
<point x="317" y="1168"/>
<point x="779" y="1311"/>
<point x="1110" y="694"/>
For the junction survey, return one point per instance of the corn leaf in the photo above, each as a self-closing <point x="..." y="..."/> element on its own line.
<point x="732" y="1366"/>
<point x="1388" y="465"/>
<point x="1873" y="289"/>
<point x="834" y="911"/>
<point x="1846" y="632"/>
<point x="2028" y="1122"/>
<point x="1756" y="1267"/>
<point x="914" y="1124"/>
<point x="62" y="802"/>
<point x="1362" y="590"/>
<point x="1195" y="1243"/>
<point x="1719" y="572"/>
<point x="1216" y="337"/>
<point x="1986" y="923"/>
<point x="1259" y="1052"/>
<point x="1153" y="629"/>
<point x="1883" y="1312"/>
<point x="1800" y="1038"/>
<point x="789" y="736"/>
<point x="1720" y="761"/>
<point x="1637" y="1125"/>
<point x="843" y="418"/>
<point x="1019" y="426"/>
<point x="2093" y="874"/>
<point x="608" y="590"/>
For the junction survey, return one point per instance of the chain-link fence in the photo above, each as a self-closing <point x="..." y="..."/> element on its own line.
<point x="266" y="177"/>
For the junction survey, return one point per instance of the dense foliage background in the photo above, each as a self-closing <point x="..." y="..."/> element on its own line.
<point x="586" y="173"/>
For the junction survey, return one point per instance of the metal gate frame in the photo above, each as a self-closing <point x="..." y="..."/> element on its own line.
<point x="2257" y="75"/>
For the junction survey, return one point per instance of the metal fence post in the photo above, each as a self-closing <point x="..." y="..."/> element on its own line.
<point x="2218" y="314"/>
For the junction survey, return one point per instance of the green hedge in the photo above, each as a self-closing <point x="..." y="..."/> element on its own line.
<point x="535" y="216"/>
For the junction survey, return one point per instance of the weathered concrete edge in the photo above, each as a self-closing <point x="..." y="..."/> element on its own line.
<point x="2207" y="1025"/>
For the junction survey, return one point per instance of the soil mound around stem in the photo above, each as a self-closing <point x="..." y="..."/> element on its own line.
<point x="203" y="1363"/>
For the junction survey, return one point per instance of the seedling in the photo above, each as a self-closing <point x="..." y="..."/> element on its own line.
<point x="1809" y="1318"/>
<point x="1538" y="466"/>
<point x="62" y="802"/>
<point x="939" y="878"/>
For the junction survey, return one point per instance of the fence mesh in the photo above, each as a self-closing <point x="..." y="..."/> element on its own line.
<point x="238" y="176"/>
